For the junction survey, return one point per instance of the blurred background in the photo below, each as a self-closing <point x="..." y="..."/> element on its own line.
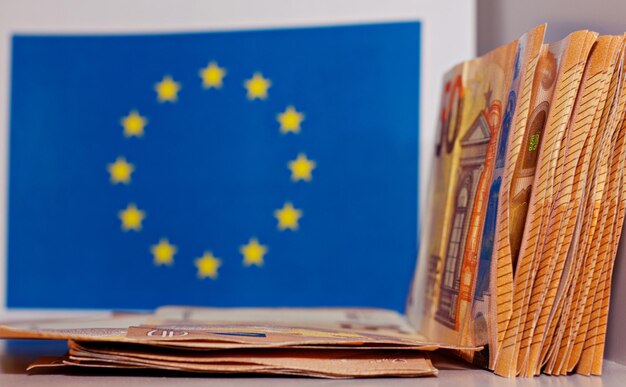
<point x="218" y="153"/>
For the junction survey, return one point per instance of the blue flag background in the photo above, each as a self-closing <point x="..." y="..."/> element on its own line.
<point x="273" y="168"/>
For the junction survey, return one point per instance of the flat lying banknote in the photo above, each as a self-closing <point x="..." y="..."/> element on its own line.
<point x="519" y="239"/>
<point x="332" y="343"/>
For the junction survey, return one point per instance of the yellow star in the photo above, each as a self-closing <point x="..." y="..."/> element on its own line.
<point x="207" y="265"/>
<point x="257" y="86"/>
<point x="301" y="168"/>
<point x="288" y="217"/>
<point x="212" y="76"/>
<point x="290" y="120"/>
<point x="133" y="124"/>
<point x="167" y="90"/>
<point x="131" y="218"/>
<point x="163" y="252"/>
<point x="120" y="171"/>
<point x="253" y="253"/>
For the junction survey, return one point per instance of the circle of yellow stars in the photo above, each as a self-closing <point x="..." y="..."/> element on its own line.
<point x="134" y="125"/>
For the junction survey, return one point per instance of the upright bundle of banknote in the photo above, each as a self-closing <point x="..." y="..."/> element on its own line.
<point x="529" y="177"/>
<point x="518" y="244"/>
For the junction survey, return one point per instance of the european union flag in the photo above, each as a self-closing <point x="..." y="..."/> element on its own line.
<point x="274" y="167"/>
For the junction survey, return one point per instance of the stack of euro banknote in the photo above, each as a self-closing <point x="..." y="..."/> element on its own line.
<point x="527" y="205"/>
<point x="328" y="343"/>
<point x="523" y="218"/>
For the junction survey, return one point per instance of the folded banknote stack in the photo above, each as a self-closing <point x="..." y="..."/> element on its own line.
<point x="329" y="343"/>
<point x="518" y="244"/>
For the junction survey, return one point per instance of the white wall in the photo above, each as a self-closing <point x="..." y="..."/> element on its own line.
<point x="500" y="21"/>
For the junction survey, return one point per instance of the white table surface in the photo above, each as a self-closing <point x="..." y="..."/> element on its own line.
<point x="15" y="355"/>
